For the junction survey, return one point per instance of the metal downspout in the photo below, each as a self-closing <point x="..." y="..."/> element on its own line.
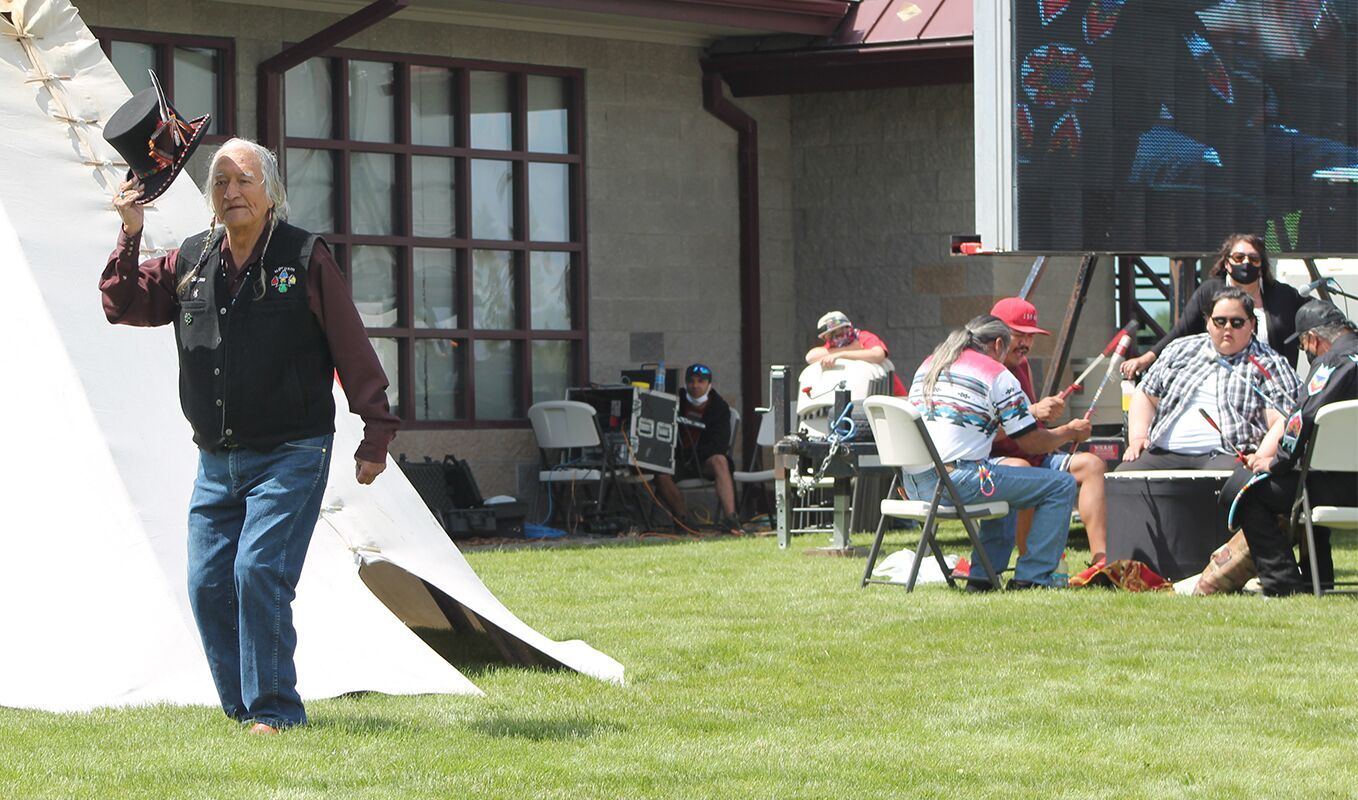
<point x="270" y="71"/>
<point x="747" y="171"/>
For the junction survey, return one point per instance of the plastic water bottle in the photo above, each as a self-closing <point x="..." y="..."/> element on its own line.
<point x="1128" y="389"/>
<point x="660" y="377"/>
<point x="1061" y="575"/>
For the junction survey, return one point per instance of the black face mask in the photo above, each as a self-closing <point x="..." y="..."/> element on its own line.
<point x="1245" y="273"/>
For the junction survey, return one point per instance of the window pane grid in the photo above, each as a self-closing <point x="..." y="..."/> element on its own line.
<point x="482" y="246"/>
<point x="197" y="71"/>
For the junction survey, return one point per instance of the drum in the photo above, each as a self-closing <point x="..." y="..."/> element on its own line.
<point x="1167" y="519"/>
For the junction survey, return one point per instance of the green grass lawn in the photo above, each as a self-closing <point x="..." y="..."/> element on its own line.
<point x="755" y="673"/>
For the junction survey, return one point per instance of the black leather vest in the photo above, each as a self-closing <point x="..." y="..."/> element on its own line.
<point x="255" y="370"/>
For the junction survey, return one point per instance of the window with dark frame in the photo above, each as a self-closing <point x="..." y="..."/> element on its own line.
<point x="198" y="73"/>
<point x="452" y="194"/>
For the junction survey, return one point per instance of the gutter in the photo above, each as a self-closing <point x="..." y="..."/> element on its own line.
<point x="716" y="103"/>
<point x="269" y="127"/>
<point x="816" y="69"/>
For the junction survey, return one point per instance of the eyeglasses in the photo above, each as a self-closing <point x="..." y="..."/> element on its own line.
<point x="1240" y="257"/>
<point x="1235" y="322"/>
<point x="699" y="372"/>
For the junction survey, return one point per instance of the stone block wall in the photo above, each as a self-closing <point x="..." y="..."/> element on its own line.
<point x="662" y="208"/>
<point x="881" y="180"/>
<point x="859" y="193"/>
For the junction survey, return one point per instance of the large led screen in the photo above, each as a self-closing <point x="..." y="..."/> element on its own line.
<point x="1161" y="126"/>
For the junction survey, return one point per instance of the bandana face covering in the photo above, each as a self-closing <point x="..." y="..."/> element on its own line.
<point x="838" y="339"/>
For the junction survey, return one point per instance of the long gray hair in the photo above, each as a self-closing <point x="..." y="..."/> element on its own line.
<point x="268" y="164"/>
<point x="273" y="187"/>
<point x="978" y="334"/>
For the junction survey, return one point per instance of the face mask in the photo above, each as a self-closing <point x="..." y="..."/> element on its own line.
<point x="1244" y="273"/>
<point x="843" y="339"/>
<point x="697" y="401"/>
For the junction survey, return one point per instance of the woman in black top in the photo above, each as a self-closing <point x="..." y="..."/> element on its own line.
<point x="1242" y="262"/>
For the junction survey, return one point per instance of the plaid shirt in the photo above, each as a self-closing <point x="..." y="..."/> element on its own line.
<point x="1189" y="361"/>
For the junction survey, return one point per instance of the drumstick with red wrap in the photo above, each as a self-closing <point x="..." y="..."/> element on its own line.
<point x="1078" y="383"/>
<point x="1268" y="401"/>
<point x="1119" y="355"/>
<point x="1268" y="376"/>
<point x="1239" y="456"/>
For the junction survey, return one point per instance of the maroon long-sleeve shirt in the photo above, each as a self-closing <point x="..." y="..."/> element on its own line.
<point x="144" y="295"/>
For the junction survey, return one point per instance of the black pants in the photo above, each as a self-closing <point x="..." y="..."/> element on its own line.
<point x="1155" y="458"/>
<point x="1270" y="545"/>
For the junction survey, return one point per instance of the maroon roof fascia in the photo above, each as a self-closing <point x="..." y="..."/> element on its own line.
<point x="811" y="17"/>
<point x="881" y="44"/>
<point x="844" y="69"/>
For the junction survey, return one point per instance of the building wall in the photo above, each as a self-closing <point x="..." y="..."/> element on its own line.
<point x="663" y="231"/>
<point x="881" y="180"/>
<point x="859" y="192"/>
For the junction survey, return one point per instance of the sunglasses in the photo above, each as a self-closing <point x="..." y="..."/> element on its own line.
<point x="1235" y="322"/>
<point x="1240" y="257"/>
<point x="699" y="372"/>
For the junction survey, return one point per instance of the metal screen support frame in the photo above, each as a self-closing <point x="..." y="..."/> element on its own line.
<point x="1183" y="278"/>
<point x="1069" y="323"/>
<point x="1034" y="275"/>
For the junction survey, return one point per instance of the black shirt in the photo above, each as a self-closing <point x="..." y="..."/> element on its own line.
<point x="1333" y="377"/>
<point x="715" y="436"/>
<point x="1281" y="302"/>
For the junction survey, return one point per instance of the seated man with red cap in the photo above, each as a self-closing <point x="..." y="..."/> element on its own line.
<point x="840" y="339"/>
<point x="1086" y="468"/>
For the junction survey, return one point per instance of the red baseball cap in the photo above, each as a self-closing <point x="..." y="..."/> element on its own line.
<point x="1019" y="314"/>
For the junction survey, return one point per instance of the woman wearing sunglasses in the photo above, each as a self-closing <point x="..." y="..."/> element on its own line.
<point x="1243" y="263"/>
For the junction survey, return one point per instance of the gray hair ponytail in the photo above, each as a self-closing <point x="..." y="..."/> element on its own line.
<point x="977" y="334"/>
<point x="214" y="240"/>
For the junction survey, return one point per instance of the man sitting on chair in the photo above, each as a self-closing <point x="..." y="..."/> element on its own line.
<point x="1210" y="396"/>
<point x="1086" y="468"/>
<point x="965" y="395"/>
<point x="1331" y="343"/>
<point x="701" y="450"/>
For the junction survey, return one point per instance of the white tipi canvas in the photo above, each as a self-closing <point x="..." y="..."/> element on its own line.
<point x="95" y="485"/>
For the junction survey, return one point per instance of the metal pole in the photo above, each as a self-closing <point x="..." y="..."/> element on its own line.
<point x="1069" y="324"/>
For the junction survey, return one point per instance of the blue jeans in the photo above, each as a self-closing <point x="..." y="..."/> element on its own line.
<point x="1051" y="493"/>
<point x="250" y="521"/>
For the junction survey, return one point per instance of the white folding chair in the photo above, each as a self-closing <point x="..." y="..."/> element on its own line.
<point x="903" y="442"/>
<point x="747" y="481"/>
<point x="567" y="434"/>
<point x="1333" y="448"/>
<point x="700" y="481"/>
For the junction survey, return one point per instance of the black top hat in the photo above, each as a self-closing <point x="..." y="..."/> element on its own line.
<point x="153" y="139"/>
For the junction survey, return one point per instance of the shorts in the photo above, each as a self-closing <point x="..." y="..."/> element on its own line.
<point x="687" y="467"/>
<point x="1057" y="461"/>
